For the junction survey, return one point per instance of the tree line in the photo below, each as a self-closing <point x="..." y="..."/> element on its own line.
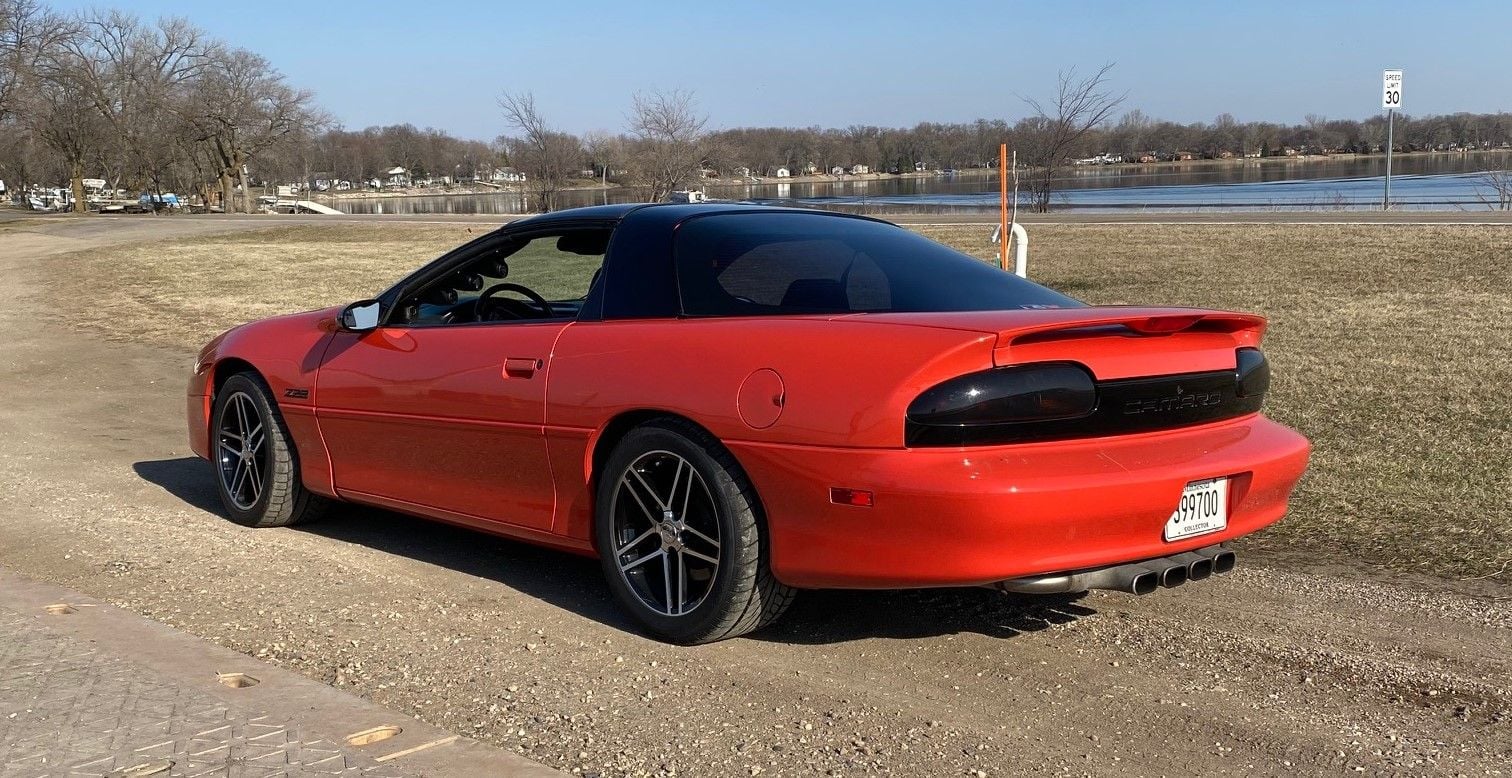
<point x="161" y="106"/>
<point x="149" y="106"/>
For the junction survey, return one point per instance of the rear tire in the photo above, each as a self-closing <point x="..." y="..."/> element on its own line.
<point x="256" y="466"/>
<point x="681" y="537"/>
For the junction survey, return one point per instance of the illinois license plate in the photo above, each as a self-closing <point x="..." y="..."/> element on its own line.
<point x="1203" y="509"/>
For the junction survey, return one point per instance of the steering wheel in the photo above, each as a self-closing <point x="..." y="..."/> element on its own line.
<point x="485" y="306"/>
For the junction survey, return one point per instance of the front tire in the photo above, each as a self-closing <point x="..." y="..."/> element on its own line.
<point x="256" y="466"/>
<point x="680" y="536"/>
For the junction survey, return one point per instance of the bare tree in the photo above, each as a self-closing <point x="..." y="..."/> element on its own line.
<point x="669" y="141"/>
<point x="133" y="74"/>
<point x="28" y="30"/>
<point x="240" y="106"/>
<point x="1500" y="184"/>
<point x="548" y="158"/>
<point x="28" y="33"/>
<point x="1046" y="139"/>
<point x="58" y="110"/>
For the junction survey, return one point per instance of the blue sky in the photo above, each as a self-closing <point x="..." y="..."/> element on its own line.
<point x="442" y="63"/>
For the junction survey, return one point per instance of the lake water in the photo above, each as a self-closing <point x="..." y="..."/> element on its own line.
<point x="1419" y="181"/>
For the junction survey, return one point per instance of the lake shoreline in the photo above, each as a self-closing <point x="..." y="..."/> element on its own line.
<point x="1428" y="181"/>
<point x="961" y="174"/>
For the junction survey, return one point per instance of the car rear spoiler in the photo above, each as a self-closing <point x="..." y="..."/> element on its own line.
<point x="1074" y="323"/>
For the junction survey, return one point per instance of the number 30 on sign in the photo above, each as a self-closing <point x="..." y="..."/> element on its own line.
<point x="1391" y="92"/>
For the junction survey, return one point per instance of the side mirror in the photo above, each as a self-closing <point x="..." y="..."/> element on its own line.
<point x="360" y="316"/>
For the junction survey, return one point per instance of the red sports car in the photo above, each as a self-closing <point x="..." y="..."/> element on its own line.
<point x="728" y="403"/>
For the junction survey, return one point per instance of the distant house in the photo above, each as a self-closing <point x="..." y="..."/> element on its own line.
<point x="743" y="172"/>
<point x="501" y="175"/>
<point x="1147" y="157"/>
<point x="783" y="172"/>
<point x="396" y="176"/>
<point x="1225" y="154"/>
<point x="859" y="170"/>
<point x="837" y="171"/>
<point x="1183" y="156"/>
<point x="810" y="168"/>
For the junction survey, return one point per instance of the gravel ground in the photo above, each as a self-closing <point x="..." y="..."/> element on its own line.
<point x="1269" y="670"/>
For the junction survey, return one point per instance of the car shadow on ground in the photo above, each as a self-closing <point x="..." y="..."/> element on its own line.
<point x="576" y="583"/>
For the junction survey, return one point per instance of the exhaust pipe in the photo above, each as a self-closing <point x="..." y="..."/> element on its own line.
<point x="1134" y="577"/>
<point x="1223" y="559"/>
<point x="1167" y="574"/>
<point x="1131" y="578"/>
<point x="1198" y="566"/>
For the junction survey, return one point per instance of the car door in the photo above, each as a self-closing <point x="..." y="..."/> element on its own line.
<point x="444" y="416"/>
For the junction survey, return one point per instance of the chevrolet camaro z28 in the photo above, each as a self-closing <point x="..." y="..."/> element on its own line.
<point x="728" y="403"/>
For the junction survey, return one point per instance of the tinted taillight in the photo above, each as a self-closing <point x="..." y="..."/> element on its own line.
<point x="1010" y="395"/>
<point x="1253" y="373"/>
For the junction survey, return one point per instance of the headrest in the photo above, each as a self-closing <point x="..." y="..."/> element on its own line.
<point x="589" y="243"/>
<point x="821" y="294"/>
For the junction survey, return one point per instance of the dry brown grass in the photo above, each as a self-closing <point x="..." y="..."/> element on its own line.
<point x="21" y="224"/>
<point x="1391" y="345"/>
<point x="183" y="292"/>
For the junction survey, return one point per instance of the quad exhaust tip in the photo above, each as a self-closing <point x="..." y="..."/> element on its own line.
<point x="1133" y="577"/>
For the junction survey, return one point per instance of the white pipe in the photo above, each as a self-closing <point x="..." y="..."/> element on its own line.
<point x="1020" y="250"/>
<point x="1020" y="238"/>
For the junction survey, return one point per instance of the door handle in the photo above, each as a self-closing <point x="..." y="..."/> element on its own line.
<point x="521" y="367"/>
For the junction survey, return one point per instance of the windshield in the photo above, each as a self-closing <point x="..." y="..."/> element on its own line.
<point x="791" y="263"/>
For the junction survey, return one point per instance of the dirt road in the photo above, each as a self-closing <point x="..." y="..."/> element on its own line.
<point x="1264" y="671"/>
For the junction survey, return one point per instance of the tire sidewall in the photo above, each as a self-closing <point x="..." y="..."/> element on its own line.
<point x="730" y="507"/>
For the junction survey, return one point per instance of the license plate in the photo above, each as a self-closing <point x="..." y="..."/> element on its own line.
<point x="1203" y="509"/>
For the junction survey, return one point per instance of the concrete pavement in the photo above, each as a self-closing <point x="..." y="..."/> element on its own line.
<point x="87" y="689"/>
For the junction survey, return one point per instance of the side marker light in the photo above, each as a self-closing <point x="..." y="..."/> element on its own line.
<point x="857" y="497"/>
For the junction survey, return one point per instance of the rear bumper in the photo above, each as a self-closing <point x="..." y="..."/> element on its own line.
<point x="968" y="516"/>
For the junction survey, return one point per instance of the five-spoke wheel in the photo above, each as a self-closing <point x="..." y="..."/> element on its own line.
<point x="679" y="533"/>
<point x="666" y="533"/>
<point x="242" y="451"/>
<point x="255" y="460"/>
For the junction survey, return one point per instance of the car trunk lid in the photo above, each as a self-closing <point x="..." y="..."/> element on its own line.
<point x="1114" y="342"/>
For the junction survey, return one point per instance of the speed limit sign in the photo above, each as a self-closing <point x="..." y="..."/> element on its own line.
<point x="1391" y="90"/>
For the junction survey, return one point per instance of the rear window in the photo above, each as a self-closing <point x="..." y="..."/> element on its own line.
<point x="768" y="264"/>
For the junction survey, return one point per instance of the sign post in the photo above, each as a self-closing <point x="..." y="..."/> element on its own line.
<point x="1391" y="100"/>
<point x="1003" y="206"/>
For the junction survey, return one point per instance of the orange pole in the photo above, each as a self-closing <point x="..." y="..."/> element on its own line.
<point x="1003" y="202"/>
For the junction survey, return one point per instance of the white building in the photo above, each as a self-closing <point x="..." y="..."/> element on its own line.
<point x="783" y="172"/>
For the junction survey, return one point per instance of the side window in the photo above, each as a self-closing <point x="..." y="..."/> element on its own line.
<point x="778" y="263"/>
<point x="800" y="275"/>
<point x="544" y="276"/>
